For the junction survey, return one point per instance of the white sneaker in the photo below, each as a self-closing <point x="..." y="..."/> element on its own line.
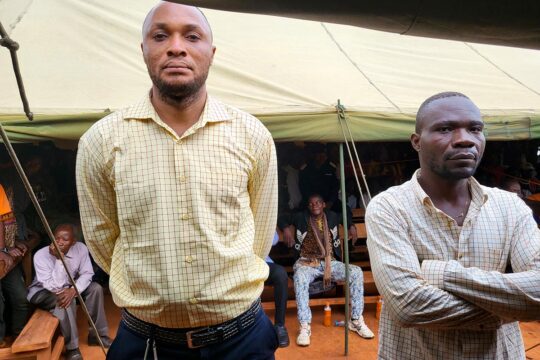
<point x="360" y="327"/>
<point x="304" y="334"/>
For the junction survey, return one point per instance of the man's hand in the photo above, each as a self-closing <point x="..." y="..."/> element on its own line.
<point x="64" y="297"/>
<point x="21" y="246"/>
<point x="353" y="234"/>
<point x="288" y="236"/>
<point x="15" y="252"/>
<point x="53" y="252"/>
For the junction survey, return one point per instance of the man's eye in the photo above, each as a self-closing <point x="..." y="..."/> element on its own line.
<point x="159" y="37"/>
<point x="477" y="129"/>
<point x="193" y="37"/>
<point x="444" y="129"/>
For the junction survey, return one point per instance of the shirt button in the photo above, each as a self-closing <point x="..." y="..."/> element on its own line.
<point x="183" y="178"/>
<point x="460" y="256"/>
<point x="185" y="216"/>
<point x="193" y="301"/>
<point x="179" y="141"/>
<point x="189" y="259"/>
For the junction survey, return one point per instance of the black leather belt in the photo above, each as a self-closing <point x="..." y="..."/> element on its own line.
<point x="195" y="337"/>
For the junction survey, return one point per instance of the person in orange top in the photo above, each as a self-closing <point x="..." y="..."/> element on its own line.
<point x="5" y="207"/>
<point x="12" y="284"/>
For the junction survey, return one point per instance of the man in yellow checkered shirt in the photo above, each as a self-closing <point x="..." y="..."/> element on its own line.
<point x="178" y="199"/>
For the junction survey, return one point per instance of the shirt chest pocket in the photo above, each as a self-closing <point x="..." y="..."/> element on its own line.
<point x="137" y="182"/>
<point x="222" y="184"/>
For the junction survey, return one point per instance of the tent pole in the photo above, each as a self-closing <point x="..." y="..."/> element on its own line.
<point x="12" y="46"/>
<point x="345" y="244"/>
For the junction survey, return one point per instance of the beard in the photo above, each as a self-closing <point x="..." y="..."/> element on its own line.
<point x="178" y="93"/>
<point x="456" y="173"/>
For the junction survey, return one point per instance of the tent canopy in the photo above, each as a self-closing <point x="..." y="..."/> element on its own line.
<point x="81" y="59"/>
<point x="500" y="22"/>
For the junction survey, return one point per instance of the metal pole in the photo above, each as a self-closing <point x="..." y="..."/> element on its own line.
<point x="345" y="244"/>
<point x="7" y="42"/>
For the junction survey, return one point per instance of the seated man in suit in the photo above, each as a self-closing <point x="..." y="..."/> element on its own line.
<point x="319" y="249"/>
<point x="51" y="289"/>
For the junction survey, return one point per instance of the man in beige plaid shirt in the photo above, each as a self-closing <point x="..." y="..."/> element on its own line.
<point x="457" y="263"/>
<point x="178" y="199"/>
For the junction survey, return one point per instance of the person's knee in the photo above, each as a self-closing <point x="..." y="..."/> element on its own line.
<point x="60" y="314"/>
<point x="93" y="290"/>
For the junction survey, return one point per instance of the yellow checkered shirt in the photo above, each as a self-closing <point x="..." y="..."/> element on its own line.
<point x="181" y="224"/>
<point x="447" y="294"/>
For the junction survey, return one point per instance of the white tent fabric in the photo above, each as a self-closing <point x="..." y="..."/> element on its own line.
<point x="80" y="58"/>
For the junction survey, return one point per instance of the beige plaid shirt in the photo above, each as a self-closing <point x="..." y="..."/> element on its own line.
<point x="182" y="224"/>
<point x="446" y="293"/>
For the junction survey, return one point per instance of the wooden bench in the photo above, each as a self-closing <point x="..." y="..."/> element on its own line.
<point x="360" y="231"/>
<point x="39" y="340"/>
<point x="358" y="215"/>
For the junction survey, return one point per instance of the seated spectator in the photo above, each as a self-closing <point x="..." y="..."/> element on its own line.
<point x="319" y="250"/>
<point x="52" y="291"/>
<point x="512" y="185"/>
<point x="12" y="288"/>
<point x="279" y="280"/>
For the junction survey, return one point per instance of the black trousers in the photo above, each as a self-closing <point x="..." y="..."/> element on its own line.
<point x="279" y="279"/>
<point x="259" y="342"/>
<point x="13" y="292"/>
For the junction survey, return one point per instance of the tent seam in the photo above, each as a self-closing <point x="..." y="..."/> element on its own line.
<point x="358" y="68"/>
<point x="19" y="18"/>
<point x="500" y="69"/>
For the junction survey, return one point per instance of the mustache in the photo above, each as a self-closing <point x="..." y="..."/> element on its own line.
<point x="177" y="64"/>
<point x="461" y="154"/>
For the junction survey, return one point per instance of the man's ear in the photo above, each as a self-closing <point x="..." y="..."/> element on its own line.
<point x="213" y="54"/>
<point x="415" y="142"/>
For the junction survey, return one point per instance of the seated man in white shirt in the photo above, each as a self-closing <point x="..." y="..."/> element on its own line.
<point x="51" y="289"/>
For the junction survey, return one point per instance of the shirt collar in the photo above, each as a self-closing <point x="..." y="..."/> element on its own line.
<point x="214" y="111"/>
<point x="478" y="195"/>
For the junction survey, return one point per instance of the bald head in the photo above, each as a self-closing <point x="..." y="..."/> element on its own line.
<point x="169" y="6"/>
<point x="70" y="228"/>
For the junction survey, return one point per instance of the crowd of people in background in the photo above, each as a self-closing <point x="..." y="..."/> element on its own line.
<point x="304" y="169"/>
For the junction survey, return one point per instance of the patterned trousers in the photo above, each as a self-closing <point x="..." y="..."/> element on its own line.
<point x="305" y="275"/>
